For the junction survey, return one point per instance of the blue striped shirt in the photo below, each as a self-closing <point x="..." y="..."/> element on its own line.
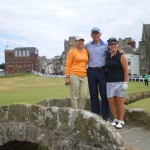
<point x="97" y="54"/>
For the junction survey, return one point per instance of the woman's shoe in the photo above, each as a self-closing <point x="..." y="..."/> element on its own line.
<point x="120" y="124"/>
<point x="115" y="122"/>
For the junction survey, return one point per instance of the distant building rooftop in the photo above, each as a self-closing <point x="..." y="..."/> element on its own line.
<point x="129" y="50"/>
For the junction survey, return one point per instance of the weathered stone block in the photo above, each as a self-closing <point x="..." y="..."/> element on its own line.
<point x="3" y="113"/>
<point x="138" y="116"/>
<point x="18" y="113"/>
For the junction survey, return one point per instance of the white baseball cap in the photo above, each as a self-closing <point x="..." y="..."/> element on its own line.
<point x="79" y="38"/>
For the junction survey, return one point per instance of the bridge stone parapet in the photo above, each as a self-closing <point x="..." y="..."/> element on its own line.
<point x="65" y="102"/>
<point x="136" y="116"/>
<point x="131" y="98"/>
<point x="57" y="128"/>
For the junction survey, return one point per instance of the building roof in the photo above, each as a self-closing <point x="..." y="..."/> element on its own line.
<point x="146" y="30"/>
<point x="32" y="50"/>
<point x="7" y="47"/>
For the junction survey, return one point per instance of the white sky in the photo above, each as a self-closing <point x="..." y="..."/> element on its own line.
<point x="46" y="23"/>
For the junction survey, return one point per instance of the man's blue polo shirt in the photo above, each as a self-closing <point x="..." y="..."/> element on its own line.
<point x="97" y="53"/>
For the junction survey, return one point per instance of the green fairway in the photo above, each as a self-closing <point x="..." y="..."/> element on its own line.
<point x="141" y="104"/>
<point x="31" y="89"/>
<point x="134" y="87"/>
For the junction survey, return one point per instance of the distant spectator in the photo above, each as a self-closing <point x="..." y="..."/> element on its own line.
<point x="146" y="80"/>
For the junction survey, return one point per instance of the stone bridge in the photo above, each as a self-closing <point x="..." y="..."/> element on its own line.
<point x="52" y="124"/>
<point x="57" y="128"/>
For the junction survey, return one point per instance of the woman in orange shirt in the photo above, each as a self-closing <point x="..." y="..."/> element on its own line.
<point x="76" y="74"/>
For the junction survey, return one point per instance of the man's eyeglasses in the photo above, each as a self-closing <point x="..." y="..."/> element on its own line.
<point x="111" y="44"/>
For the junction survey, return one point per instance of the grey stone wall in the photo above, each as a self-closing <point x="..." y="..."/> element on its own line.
<point x="57" y="128"/>
<point x="62" y="102"/>
<point x="137" y="116"/>
<point x="136" y="96"/>
<point x="67" y="103"/>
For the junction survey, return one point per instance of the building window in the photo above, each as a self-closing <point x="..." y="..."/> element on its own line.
<point x="16" y="54"/>
<point x="27" y="53"/>
<point x="24" y="53"/>
<point x="19" y="53"/>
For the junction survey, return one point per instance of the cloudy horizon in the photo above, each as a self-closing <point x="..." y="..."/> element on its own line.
<point x="46" y="24"/>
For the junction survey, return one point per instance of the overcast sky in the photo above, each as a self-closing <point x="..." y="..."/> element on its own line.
<point x="45" y="24"/>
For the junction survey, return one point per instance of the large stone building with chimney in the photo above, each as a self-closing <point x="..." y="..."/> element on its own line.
<point x="21" y="59"/>
<point x="144" y="50"/>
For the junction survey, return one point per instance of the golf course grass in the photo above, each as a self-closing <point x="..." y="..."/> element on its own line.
<point x="32" y="88"/>
<point x="145" y="103"/>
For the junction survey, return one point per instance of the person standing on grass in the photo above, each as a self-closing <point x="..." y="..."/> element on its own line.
<point x="117" y="82"/>
<point x="146" y="80"/>
<point x="76" y="74"/>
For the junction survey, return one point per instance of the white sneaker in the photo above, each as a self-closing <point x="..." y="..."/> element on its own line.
<point x="120" y="124"/>
<point x="115" y="122"/>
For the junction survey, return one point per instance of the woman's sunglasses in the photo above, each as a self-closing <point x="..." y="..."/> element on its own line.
<point x="111" y="44"/>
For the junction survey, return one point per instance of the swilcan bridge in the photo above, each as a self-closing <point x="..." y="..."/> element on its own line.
<point x="57" y="128"/>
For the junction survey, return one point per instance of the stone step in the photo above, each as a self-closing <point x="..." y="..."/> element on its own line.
<point x="136" y="137"/>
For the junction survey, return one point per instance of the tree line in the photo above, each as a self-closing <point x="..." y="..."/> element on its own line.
<point x="2" y="66"/>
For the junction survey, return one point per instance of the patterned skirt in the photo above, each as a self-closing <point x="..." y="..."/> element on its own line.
<point x="115" y="89"/>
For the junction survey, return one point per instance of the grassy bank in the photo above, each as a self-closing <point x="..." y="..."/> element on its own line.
<point x="141" y="104"/>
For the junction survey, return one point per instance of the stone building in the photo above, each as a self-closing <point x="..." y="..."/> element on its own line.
<point x="132" y="57"/>
<point x="67" y="45"/>
<point x="131" y="53"/>
<point x="144" y="50"/>
<point x="49" y="68"/>
<point x="43" y="62"/>
<point x="57" y="65"/>
<point x="21" y="59"/>
<point x="123" y="43"/>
